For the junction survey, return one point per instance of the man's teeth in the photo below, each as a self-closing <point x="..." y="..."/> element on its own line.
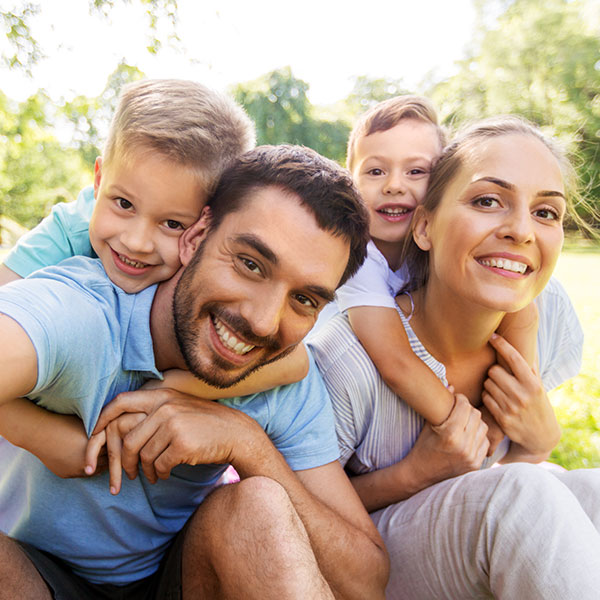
<point x="394" y="211"/>
<point x="504" y="263"/>
<point x="132" y="263"/>
<point x="230" y="340"/>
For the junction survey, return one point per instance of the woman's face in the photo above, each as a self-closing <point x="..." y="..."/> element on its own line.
<point x="497" y="232"/>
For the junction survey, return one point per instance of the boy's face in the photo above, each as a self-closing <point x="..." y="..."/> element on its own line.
<point x="391" y="171"/>
<point x="142" y="206"/>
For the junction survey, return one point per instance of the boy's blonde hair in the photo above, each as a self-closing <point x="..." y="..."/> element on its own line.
<point x="183" y="121"/>
<point x="388" y="114"/>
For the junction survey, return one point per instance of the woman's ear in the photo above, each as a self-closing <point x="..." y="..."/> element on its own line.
<point x="421" y="227"/>
<point x="193" y="236"/>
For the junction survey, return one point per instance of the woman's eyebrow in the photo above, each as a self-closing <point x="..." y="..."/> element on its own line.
<point x="509" y="186"/>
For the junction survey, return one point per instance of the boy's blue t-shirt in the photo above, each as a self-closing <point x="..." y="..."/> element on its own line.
<point x="62" y="234"/>
<point x="93" y="341"/>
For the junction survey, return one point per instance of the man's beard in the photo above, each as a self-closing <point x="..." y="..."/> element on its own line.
<point x="216" y="370"/>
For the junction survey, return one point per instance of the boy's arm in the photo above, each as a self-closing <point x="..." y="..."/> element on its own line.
<point x="290" y="369"/>
<point x="520" y="329"/>
<point x="7" y="275"/>
<point x="59" y="441"/>
<point x="380" y="331"/>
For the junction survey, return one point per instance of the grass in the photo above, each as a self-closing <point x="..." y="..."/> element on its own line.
<point x="576" y="402"/>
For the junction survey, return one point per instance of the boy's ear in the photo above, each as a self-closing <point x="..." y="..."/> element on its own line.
<point x="193" y="236"/>
<point x="421" y="229"/>
<point x="97" y="175"/>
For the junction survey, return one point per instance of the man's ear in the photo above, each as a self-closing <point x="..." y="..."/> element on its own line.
<point x="193" y="236"/>
<point x="97" y="175"/>
<point x="421" y="229"/>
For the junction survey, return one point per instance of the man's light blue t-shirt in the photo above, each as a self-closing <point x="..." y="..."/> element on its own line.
<point x="62" y="234"/>
<point x="93" y="341"/>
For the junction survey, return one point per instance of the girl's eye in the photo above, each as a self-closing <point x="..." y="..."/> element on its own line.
<point x="175" y="225"/>
<point x="487" y="202"/>
<point x="547" y="214"/>
<point x="124" y="204"/>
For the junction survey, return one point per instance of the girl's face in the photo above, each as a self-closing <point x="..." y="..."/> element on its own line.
<point x="497" y="232"/>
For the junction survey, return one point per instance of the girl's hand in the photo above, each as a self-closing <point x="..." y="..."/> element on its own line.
<point x="519" y="403"/>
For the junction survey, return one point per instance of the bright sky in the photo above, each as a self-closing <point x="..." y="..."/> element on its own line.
<point x="326" y="43"/>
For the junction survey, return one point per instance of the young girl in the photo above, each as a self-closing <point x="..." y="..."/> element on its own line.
<point x="391" y="152"/>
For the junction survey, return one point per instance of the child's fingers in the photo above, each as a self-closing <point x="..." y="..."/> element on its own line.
<point x="114" y="444"/>
<point x="92" y="451"/>
<point x="516" y="363"/>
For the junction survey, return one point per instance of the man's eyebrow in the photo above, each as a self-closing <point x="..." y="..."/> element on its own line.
<point x="509" y="186"/>
<point x="321" y="291"/>
<point x="255" y="242"/>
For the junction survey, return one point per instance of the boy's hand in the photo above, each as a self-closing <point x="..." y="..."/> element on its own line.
<point x="111" y="438"/>
<point x="518" y="402"/>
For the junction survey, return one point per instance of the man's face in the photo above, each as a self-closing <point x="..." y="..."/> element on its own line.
<point x="255" y="287"/>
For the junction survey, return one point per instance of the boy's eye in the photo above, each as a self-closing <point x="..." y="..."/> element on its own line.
<point x="175" y="225"/>
<point x="377" y="172"/>
<point x="417" y="171"/>
<point x="124" y="204"/>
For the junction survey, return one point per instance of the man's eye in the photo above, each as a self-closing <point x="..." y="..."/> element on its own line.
<point x="251" y="265"/>
<point x="305" y="301"/>
<point x="172" y="224"/>
<point x="124" y="204"/>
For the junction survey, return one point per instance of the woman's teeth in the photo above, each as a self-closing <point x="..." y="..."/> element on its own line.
<point x="230" y="340"/>
<point x="504" y="263"/>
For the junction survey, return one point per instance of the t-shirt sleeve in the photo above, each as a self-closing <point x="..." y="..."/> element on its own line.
<point x="368" y="287"/>
<point x="301" y="424"/>
<point x="560" y="337"/>
<point x="65" y="341"/>
<point x="62" y="234"/>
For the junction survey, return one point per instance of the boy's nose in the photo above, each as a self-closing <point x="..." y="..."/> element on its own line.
<point x="138" y="238"/>
<point x="394" y="185"/>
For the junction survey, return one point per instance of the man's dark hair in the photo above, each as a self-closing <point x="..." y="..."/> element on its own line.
<point x="323" y="187"/>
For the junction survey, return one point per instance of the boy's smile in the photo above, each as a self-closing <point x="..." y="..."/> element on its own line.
<point x="143" y="204"/>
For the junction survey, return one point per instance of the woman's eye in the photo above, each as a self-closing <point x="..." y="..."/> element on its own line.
<point x="172" y="224"/>
<point x="124" y="204"/>
<point x="487" y="202"/>
<point x="547" y="214"/>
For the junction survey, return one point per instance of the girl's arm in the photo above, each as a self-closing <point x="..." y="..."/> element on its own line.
<point x="289" y="369"/>
<point x="520" y="329"/>
<point x="380" y="331"/>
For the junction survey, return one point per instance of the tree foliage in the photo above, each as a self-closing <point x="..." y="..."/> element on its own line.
<point x="539" y="59"/>
<point x="279" y="105"/>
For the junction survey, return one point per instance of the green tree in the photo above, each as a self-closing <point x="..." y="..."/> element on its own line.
<point x="36" y="171"/>
<point x="279" y="105"/>
<point x="539" y="59"/>
<point x="368" y="91"/>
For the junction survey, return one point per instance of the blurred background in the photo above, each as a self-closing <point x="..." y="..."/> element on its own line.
<point x="304" y="71"/>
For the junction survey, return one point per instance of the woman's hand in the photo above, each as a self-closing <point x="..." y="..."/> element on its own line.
<point x="520" y="405"/>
